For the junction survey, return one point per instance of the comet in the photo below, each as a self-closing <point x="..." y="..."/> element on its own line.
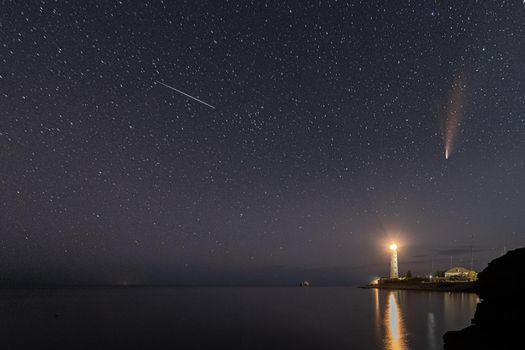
<point x="185" y="94"/>
<point x="451" y="121"/>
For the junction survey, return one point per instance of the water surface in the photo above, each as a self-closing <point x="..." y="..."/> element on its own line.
<point x="230" y="317"/>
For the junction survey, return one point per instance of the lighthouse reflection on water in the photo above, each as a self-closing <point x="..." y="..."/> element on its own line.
<point x="394" y="326"/>
<point x="405" y="320"/>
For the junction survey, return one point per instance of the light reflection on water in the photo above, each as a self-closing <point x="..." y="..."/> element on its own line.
<point x="412" y="320"/>
<point x="431" y="328"/>
<point x="396" y="334"/>
<point x="230" y="318"/>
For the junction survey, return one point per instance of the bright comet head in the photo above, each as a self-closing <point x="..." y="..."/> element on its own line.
<point x="393" y="246"/>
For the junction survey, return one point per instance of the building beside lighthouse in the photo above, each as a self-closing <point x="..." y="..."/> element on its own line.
<point x="459" y="273"/>
<point x="394" y="270"/>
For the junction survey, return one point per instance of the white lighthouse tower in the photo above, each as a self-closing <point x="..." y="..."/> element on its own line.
<point x="394" y="272"/>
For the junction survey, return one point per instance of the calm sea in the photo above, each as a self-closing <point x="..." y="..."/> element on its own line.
<point x="230" y="318"/>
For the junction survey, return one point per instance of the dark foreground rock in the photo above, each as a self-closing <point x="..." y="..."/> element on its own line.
<point x="499" y="321"/>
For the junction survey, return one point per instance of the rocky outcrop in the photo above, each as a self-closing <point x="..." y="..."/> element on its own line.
<point x="499" y="321"/>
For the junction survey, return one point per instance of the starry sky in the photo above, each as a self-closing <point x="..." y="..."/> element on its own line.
<point x="326" y="142"/>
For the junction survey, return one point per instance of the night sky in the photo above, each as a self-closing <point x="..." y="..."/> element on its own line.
<point x="326" y="142"/>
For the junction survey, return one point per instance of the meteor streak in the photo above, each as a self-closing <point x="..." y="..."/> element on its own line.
<point x="185" y="94"/>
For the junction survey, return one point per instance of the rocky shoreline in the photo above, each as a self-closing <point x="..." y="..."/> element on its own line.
<point x="455" y="287"/>
<point x="500" y="316"/>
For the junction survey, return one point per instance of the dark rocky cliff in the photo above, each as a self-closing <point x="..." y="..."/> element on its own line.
<point x="499" y="321"/>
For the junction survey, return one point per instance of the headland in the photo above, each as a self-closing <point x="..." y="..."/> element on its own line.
<point x="424" y="285"/>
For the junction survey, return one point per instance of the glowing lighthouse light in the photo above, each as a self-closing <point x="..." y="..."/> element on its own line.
<point x="394" y="272"/>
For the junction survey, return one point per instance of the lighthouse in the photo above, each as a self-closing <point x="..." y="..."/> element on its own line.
<point x="394" y="272"/>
